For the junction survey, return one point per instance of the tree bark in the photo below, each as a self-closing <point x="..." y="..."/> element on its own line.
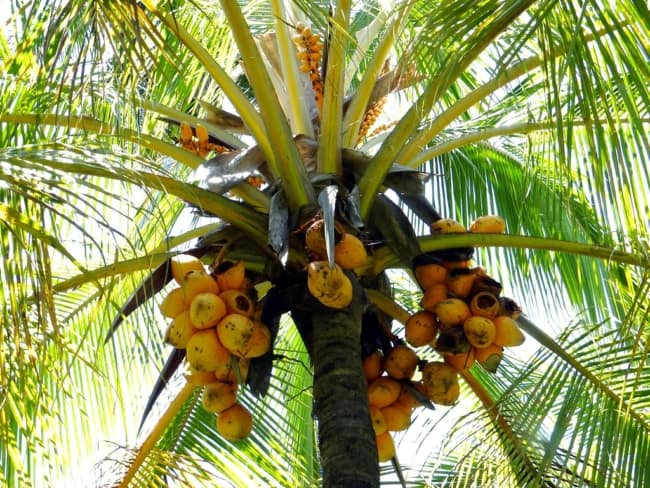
<point x="346" y="438"/>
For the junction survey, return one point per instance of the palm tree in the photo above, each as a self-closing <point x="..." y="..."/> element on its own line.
<point x="537" y="111"/>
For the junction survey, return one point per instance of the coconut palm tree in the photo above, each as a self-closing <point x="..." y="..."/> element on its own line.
<point x="136" y="131"/>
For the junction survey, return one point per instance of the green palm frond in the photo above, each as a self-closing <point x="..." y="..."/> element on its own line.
<point x="536" y="111"/>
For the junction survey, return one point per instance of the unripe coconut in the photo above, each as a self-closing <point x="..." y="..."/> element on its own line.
<point x="372" y="365"/>
<point x="428" y="275"/>
<point x="508" y="333"/>
<point x="377" y="419"/>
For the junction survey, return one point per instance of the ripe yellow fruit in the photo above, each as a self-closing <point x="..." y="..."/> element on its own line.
<point x="508" y="333"/>
<point x="235" y="423"/>
<point x="198" y="378"/>
<point x="377" y="419"/>
<point x="452" y="311"/>
<point x="420" y="328"/>
<point x="484" y="304"/>
<point x="330" y="286"/>
<point x="462" y="360"/>
<point x="315" y="238"/>
<point x="480" y="331"/>
<point x="488" y="224"/>
<point x="202" y="133"/>
<point x="173" y="303"/>
<point x="441" y="382"/>
<point x="179" y="331"/>
<point x="235" y="332"/>
<point x="350" y="252"/>
<point x="428" y="275"/>
<point x="407" y="399"/>
<point x="231" y="276"/>
<point x="186" y="133"/>
<point x="489" y="357"/>
<point x="218" y="396"/>
<point x="259" y="343"/>
<point x="383" y="391"/>
<point x="434" y="294"/>
<point x="205" y="352"/>
<point x="396" y="417"/>
<point x="233" y="371"/>
<point x="195" y="282"/>
<point x="447" y="226"/>
<point x="181" y="264"/>
<point x="460" y="282"/>
<point x="400" y="362"/>
<point x="372" y="365"/>
<point x="206" y="310"/>
<point x="237" y="302"/>
<point x="385" y="447"/>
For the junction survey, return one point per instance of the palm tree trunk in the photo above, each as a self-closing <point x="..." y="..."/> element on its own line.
<point x="346" y="437"/>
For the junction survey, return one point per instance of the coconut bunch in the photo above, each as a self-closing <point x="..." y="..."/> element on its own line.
<point x="330" y="285"/>
<point x="310" y="52"/>
<point x="214" y="317"/>
<point x="392" y="396"/>
<point x="463" y="315"/>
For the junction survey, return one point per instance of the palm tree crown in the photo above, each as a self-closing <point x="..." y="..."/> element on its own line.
<point x="136" y="131"/>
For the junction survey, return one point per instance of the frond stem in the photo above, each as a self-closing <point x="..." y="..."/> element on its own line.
<point x="418" y="141"/>
<point x="155" y="434"/>
<point x="282" y="149"/>
<point x="547" y="341"/>
<point x="95" y="126"/>
<point x="385" y="258"/>
<point x="387" y="305"/>
<point x="329" y="144"/>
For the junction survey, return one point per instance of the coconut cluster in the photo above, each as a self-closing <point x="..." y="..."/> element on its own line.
<point x="310" y="52"/>
<point x="391" y="399"/>
<point x="330" y="285"/>
<point x="215" y="319"/>
<point x="463" y="316"/>
<point x="198" y="141"/>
